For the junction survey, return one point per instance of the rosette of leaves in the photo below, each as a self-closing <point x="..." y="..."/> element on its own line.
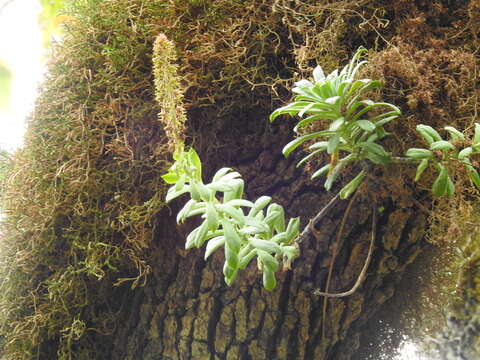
<point x="352" y="134"/>
<point x="244" y="229"/>
<point x="445" y="155"/>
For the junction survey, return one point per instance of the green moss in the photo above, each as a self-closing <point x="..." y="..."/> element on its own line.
<point x="84" y="189"/>
<point x="82" y="196"/>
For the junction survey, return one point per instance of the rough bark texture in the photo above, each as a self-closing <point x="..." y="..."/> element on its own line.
<point x="236" y="57"/>
<point x="187" y="312"/>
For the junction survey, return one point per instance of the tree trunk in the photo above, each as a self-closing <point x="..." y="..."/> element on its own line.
<point x="187" y="312"/>
<point x="238" y="60"/>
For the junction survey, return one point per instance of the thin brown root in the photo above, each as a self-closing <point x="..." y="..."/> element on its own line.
<point x="361" y="277"/>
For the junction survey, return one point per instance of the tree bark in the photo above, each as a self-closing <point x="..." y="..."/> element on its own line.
<point x="187" y="312"/>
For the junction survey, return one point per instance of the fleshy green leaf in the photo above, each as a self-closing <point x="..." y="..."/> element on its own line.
<point x="259" y="205"/>
<point x="450" y="187"/>
<point x="280" y="238"/>
<point x="473" y="174"/>
<point x="303" y="84"/>
<point x="420" y="169"/>
<point x="333" y="143"/>
<point x="465" y="153"/>
<point x="442" y="145"/>
<point x="332" y="176"/>
<point x="309" y="156"/>
<point x="332" y="100"/>
<point x="268" y="246"/>
<point x="290" y="109"/>
<point x="275" y="213"/>
<point x="268" y="261"/>
<point x="322" y="171"/>
<point x="439" y="187"/>
<point x="372" y="105"/>
<point x="212" y="217"/>
<point x="180" y="182"/>
<point x="172" y="194"/>
<point x="428" y="133"/>
<point x="246" y="258"/>
<point x="292" y="145"/>
<point x="318" y="74"/>
<point x="196" y="162"/>
<point x="197" y="210"/>
<point x="220" y="173"/>
<point x="188" y="207"/>
<point x="419" y="154"/>
<point x="269" y="281"/>
<point x="229" y="273"/>
<point x="231" y="177"/>
<point x="376" y="153"/>
<point x="259" y="225"/>
<point x="200" y="237"/>
<point x="214" y="244"/>
<point x="476" y="138"/>
<point x="366" y="125"/>
<point x="293" y="229"/>
<point x="220" y="186"/>
<point x="190" y="241"/>
<point x="236" y="193"/>
<point x="334" y="126"/>
<point x="383" y="119"/>
<point x="306" y="109"/>
<point x="350" y="188"/>
<point x="194" y="191"/>
<point x="319" y="145"/>
<point x="241" y="202"/>
<point x="233" y="212"/>
<point x="205" y="193"/>
<point x="232" y="239"/>
<point x="454" y="133"/>
<point x="279" y="223"/>
<point x="323" y="89"/>
<point x="290" y="252"/>
<point x="170" y="178"/>
<point x="231" y="255"/>
<point x="322" y="115"/>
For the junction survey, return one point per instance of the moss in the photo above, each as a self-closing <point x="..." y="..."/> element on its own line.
<point x="459" y="338"/>
<point x="83" y="196"/>
<point x="84" y="189"/>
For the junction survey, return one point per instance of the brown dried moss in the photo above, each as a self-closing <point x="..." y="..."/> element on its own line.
<point x="84" y="189"/>
<point x="84" y="194"/>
